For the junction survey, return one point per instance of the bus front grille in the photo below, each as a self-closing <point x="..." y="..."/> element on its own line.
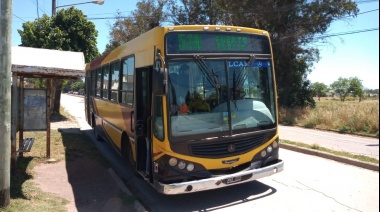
<point x="227" y="148"/>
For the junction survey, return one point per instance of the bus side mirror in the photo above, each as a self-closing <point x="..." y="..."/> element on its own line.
<point x="159" y="83"/>
<point x="159" y="80"/>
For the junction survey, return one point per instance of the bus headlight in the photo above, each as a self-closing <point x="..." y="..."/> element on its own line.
<point x="269" y="149"/>
<point x="275" y="144"/>
<point x="173" y="161"/>
<point x="190" y="167"/>
<point x="263" y="153"/>
<point x="181" y="165"/>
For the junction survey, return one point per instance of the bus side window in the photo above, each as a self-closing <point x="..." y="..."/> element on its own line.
<point x="126" y="92"/>
<point x="115" y="78"/>
<point x="98" y="88"/>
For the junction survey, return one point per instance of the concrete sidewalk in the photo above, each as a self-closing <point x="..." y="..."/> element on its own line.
<point x="85" y="183"/>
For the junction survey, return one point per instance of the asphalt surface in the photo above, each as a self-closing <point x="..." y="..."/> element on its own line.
<point x="353" y="144"/>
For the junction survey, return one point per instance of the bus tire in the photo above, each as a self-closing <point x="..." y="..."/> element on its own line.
<point x="93" y="125"/>
<point x="126" y="152"/>
<point x="97" y="136"/>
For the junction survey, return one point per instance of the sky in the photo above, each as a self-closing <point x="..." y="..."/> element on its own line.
<point x="349" y="55"/>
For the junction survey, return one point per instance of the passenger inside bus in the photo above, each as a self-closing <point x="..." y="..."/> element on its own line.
<point x="184" y="97"/>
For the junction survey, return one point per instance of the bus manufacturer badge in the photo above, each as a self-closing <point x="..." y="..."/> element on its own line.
<point x="230" y="161"/>
<point x="231" y="148"/>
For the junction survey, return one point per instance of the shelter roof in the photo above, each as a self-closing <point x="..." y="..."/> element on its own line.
<point x="47" y="63"/>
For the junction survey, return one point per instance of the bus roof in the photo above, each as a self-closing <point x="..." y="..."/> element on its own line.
<point x="154" y="37"/>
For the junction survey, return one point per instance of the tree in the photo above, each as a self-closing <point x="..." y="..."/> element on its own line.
<point x="72" y="85"/>
<point x="68" y="30"/>
<point x="341" y="87"/>
<point x="194" y="12"/>
<point x="356" y="87"/>
<point x="345" y="86"/>
<point x="147" y="15"/>
<point x="319" y="89"/>
<point x="77" y="85"/>
<point x="294" y="25"/>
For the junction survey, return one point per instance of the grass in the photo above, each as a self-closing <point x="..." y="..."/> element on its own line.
<point x="333" y="152"/>
<point x="351" y="116"/>
<point x="24" y="193"/>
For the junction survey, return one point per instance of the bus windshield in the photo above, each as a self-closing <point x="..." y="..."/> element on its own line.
<point x="220" y="96"/>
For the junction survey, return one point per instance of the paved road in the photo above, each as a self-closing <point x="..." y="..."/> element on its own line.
<point x="308" y="183"/>
<point x="340" y="142"/>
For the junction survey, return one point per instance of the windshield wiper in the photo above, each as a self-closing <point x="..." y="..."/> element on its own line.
<point x="242" y="76"/>
<point x="211" y="77"/>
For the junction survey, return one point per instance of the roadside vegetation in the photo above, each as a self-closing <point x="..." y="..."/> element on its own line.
<point x="350" y="116"/>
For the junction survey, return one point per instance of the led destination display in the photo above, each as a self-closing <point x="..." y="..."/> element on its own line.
<point x="218" y="42"/>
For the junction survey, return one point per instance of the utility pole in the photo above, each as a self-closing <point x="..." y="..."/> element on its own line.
<point x="53" y="7"/>
<point x="5" y="100"/>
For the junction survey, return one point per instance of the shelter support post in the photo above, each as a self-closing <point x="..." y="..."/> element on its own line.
<point x="14" y="121"/>
<point x="21" y="116"/>
<point x="48" y="83"/>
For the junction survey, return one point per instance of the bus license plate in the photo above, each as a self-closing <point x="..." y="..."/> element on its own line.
<point x="236" y="179"/>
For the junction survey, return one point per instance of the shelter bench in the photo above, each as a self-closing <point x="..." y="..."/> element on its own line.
<point x="27" y="144"/>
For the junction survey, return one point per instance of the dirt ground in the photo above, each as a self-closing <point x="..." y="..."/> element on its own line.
<point x="84" y="182"/>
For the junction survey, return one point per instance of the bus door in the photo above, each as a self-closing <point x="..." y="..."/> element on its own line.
<point x="142" y="116"/>
<point x="87" y="96"/>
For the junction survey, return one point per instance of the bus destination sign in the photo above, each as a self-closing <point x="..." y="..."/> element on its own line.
<point x="202" y="42"/>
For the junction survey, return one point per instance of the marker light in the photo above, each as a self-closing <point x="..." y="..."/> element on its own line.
<point x="181" y="165"/>
<point x="190" y="167"/>
<point x="173" y="161"/>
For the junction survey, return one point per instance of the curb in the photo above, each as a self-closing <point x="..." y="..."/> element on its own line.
<point x="349" y="161"/>
<point x="124" y="188"/>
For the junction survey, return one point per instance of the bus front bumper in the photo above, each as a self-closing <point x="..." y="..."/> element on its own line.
<point x="220" y="181"/>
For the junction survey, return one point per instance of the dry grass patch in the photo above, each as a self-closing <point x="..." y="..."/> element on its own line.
<point x="330" y="114"/>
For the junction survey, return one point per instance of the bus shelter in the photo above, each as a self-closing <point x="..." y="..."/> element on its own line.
<point x="30" y="106"/>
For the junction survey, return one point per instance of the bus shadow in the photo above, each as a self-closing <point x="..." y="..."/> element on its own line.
<point x="218" y="199"/>
<point x="372" y="145"/>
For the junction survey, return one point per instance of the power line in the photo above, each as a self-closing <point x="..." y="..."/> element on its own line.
<point x="19" y="17"/>
<point x="38" y="6"/>
<point x="346" y="33"/>
<point x="367" y="1"/>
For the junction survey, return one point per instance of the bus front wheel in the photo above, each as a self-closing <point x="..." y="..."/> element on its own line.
<point x="126" y="151"/>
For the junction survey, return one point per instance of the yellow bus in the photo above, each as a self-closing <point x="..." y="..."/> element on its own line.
<point x="191" y="108"/>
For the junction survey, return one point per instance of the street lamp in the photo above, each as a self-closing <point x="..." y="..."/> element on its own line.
<point x="54" y="6"/>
